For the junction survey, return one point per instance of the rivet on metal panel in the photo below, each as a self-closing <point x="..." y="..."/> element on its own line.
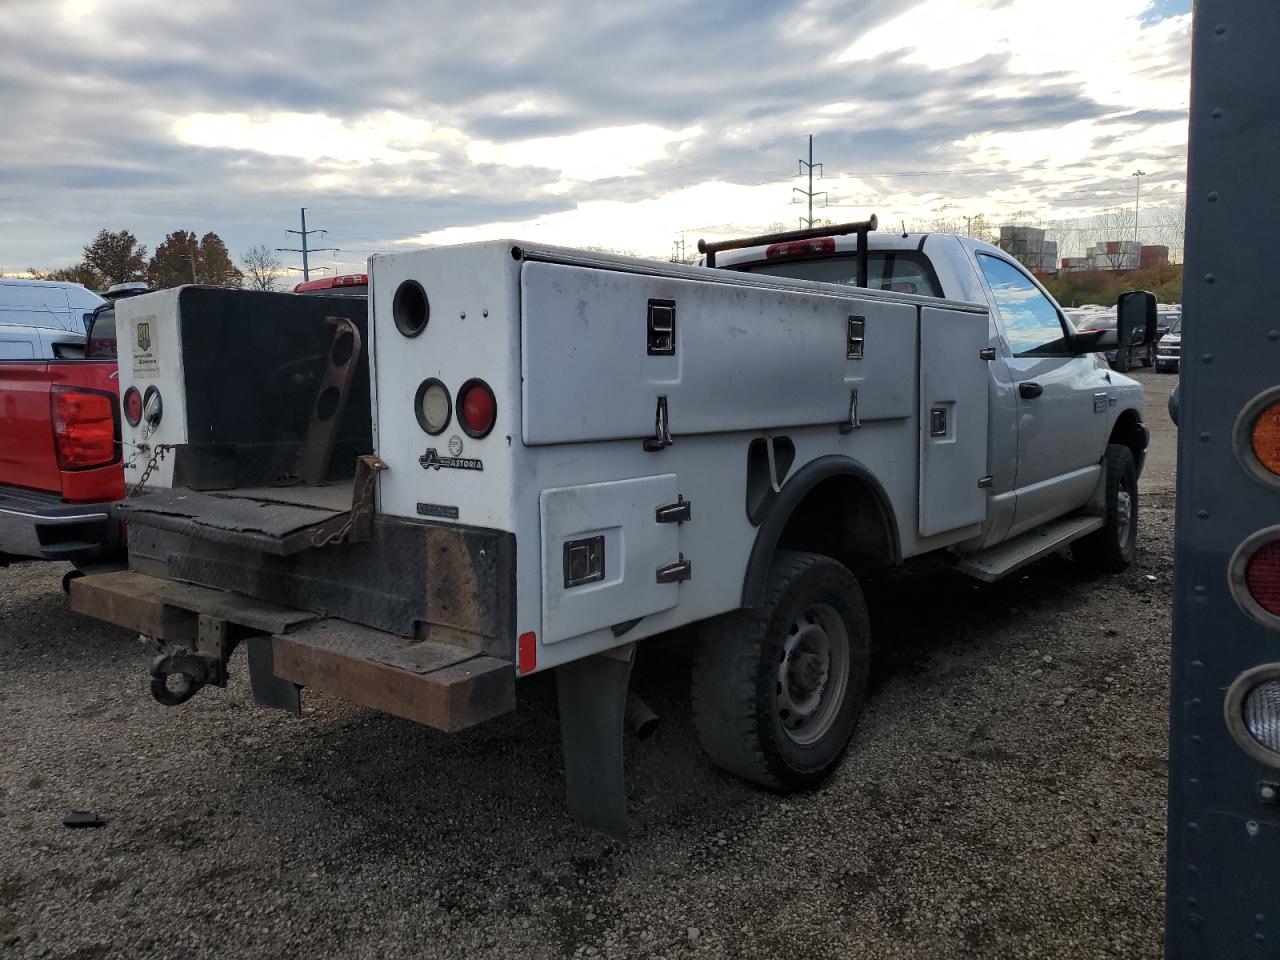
<point x="1268" y="793"/>
<point x="1200" y="591"/>
<point x="1210" y="278"/>
<point x="1205" y="436"/>
<point x="1194" y="920"/>
<point x="1196" y="738"/>
<point x="1197" y="664"/>
<point x="1273" y="334"/>
<point x="1202" y="514"/>
<point x="1193" y="827"/>
<point x="462" y="315"/>
<point x="1196" y="701"/>
<point x="1220" y="30"/>
<point x="1213" y="196"/>
<point x="1207" y="358"/>
<point x="484" y="312"/>
<point x="1251" y="828"/>
<point x="1216" y="113"/>
<point x="1193" y="782"/>
<point x="1259" y="918"/>
<point x="1192" y="902"/>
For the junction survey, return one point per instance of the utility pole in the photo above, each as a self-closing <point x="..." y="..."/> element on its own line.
<point x="810" y="194"/>
<point x="304" y="249"/>
<point x="967" y="221"/>
<point x="677" y="250"/>
<point x="1137" y="194"/>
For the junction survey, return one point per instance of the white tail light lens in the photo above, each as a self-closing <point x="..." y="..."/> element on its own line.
<point x="432" y="406"/>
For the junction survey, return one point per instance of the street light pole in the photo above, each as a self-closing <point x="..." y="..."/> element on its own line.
<point x="1137" y="195"/>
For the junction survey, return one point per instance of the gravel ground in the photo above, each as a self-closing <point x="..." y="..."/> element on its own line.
<point x="1004" y="797"/>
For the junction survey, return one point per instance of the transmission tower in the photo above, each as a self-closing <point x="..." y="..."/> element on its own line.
<point x="304" y="249"/>
<point x="807" y="166"/>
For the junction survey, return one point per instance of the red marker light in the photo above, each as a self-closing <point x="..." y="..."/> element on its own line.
<point x="801" y="248"/>
<point x="477" y="408"/>
<point x="1262" y="577"/>
<point x="527" y="652"/>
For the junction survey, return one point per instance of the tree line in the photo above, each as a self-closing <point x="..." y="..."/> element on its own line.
<point x="182" y="257"/>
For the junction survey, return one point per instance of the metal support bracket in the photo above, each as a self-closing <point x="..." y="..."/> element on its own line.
<point x="313" y="457"/>
<point x="592" y="694"/>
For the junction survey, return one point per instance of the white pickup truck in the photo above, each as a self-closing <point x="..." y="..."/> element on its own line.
<point x="520" y="458"/>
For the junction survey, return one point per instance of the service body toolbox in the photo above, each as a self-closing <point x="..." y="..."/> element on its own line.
<point x="523" y="458"/>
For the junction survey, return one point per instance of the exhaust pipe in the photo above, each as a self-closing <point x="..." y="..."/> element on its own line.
<point x="639" y="719"/>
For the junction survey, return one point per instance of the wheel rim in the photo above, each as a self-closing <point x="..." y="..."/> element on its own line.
<point x="1124" y="517"/>
<point x="812" y="673"/>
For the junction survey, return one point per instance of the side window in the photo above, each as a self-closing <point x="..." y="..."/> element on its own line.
<point x="1030" y="321"/>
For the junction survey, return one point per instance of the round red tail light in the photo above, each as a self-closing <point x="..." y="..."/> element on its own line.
<point x="1262" y="577"/>
<point x="132" y="406"/>
<point x="477" y="409"/>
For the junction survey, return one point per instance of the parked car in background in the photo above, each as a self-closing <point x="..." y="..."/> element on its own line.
<point x="48" y="304"/>
<point x="44" y="320"/>
<point x="1169" y="349"/>
<point x="1121" y="359"/>
<point x="1166" y="315"/>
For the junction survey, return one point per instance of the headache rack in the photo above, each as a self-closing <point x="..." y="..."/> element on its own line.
<point x="859" y="227"/>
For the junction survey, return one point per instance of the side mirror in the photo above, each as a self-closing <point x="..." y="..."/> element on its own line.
<point x="1135" y="318"/>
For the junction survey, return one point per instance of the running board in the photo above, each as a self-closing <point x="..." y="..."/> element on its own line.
<point x="995" y="562"/>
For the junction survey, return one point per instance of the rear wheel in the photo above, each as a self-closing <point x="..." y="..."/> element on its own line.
<point x="1122" y="361"/>
<point x="1112" y="548"/>
<point x="777" y="691"/>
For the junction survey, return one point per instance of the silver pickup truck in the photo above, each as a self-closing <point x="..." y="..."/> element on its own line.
<point x="520" y="458"/>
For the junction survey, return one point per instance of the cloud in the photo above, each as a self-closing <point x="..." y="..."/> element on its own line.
<point x="620" y="125"/>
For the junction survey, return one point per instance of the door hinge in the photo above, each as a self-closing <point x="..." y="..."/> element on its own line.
<point x="677" y="512"/>
<point x="986" y="481"/>
<point x="661" y="433"/>
<point x="676" y="572"/>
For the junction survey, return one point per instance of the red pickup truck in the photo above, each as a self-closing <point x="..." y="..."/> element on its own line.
<point x="60" y="460"/>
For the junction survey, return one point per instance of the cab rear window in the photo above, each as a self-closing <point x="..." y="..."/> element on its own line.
<point x="901" y="271"/>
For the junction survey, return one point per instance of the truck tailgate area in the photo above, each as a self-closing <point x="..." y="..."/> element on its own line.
<point x="442" y="685"/>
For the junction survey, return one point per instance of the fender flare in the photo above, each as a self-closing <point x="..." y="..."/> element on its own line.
<point x="793" y="491"/>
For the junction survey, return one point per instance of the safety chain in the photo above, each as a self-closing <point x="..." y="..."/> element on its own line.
<point x="158" y="455"/>
<point x="363" y="502"/>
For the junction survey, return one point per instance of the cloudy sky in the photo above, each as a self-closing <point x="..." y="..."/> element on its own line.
<point x="624" y="125"/>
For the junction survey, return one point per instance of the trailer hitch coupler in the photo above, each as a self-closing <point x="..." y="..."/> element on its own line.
<point x="190" y="672"/>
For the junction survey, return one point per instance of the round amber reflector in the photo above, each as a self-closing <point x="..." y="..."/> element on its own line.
<point x="1265" y="437"/>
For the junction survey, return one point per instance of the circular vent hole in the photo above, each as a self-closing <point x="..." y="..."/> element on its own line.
<point x="409" y="308"/>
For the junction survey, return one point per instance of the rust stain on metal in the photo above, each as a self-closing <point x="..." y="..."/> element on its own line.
<point x="454" y="598"/>
<point x="352" y="662"/>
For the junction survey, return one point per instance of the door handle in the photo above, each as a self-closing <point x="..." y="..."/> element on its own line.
<point x="1029" y="390"/>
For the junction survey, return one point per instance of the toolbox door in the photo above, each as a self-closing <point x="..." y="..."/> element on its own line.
<point x="605" y="555"/>
<point x="953" y="419"/>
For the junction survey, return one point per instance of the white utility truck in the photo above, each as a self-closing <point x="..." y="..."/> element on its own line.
<point x="518" y="458"/>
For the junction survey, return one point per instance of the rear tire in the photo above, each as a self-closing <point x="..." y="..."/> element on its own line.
<point x="1122" y="361"/>
<point x="778" y="691"/>
<point x="1112" y="548"/>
